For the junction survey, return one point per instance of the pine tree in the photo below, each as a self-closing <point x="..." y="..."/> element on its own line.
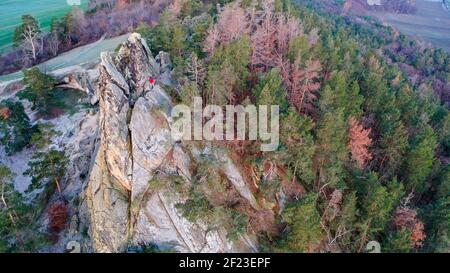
<point x="270" y="91"/>
<point x="343" y="226"/>
<point x="420" y="159"/>
<point x="354" y="101"/>
<point x="43" y="135"/>
<point x="398" y="241"/>
<point x="437" y="216"/>
<point x="297" y="138"/>
<point x="393" y="145"/>
<point x="188" y="92"/>
<point x="39" y="89"/>
<point x="8" y="215"/>
<point x="6" y="178"/>
<point x="304" y="230"/>
<point x="331" y="149"/>
<point x="29" y="26"/>
<point x="15" y="127"/>
<point x="68" y="27"/>
<point x="407" y="104"/>
<point x="376" y="205"/>
<point x="228" y="72"/>
<point x="178" y="40"/>
<point x="195" y="70"/>
<point x="443" y="131"/>
<point x="359" y="143"/>
<point x="47" y="167"/>
<point x="159" y="37"/>
<point x="339" y="94"/>
<point x="27" y="35"/>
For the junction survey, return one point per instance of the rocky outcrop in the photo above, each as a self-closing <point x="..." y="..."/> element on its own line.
<point x="9" y="89"/>
<point x="135" y="144"/>
<point x="79" y="78"/>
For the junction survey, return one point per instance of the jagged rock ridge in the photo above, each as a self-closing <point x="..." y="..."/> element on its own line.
<point x="134" y="143"/>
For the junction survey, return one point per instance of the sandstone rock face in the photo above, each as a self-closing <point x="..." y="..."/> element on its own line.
<point x="107" y="205"/>
<point x="79" y="79"/>
<point x="8" y="89"/>
<point x="134" y="145"/>
<point x="114" y="135"/>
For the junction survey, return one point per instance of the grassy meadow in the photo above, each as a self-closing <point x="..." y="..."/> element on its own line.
<point x="43" y="10"/>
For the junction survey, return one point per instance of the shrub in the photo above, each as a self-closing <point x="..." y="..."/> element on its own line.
<point x="39" y="89"/>
<point x="58" y="214"/>
<point x="45" y="167"/>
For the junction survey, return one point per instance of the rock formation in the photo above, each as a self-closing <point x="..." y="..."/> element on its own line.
<point x="134" y="144"/>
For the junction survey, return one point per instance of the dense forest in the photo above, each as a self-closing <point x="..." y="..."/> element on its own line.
<point x="364" y="117"/>
<point x="368" y="147"/>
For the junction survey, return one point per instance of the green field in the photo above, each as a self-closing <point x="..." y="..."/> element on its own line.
<point x="431" y="23"/>
<point x="77" y="56"/>
<point x="43" y="10"/>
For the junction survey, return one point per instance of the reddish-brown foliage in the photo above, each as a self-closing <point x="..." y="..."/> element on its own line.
<point x="286" y="29"/>
<point x="406" y="218"/>
<point x="211" y="41"/>
<point x="418" y="234"/>
<point x="302" y="83"/>
<point x="175" y="7"/>
<point x="263" y="41"/>
<point x="359" y="143"/>
<point x="290" y="185"/>
<point x="313" y="36"/>
<point x="270" y="33"/>
<point x="231" y="25"/>
<point x="58" y="214"/>
<point x="271" y="37"/>
<point x="5" y="113"/>
<point x="260" y="220"/>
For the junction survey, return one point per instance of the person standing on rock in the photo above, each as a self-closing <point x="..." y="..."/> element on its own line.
<point x="152" y="82"/>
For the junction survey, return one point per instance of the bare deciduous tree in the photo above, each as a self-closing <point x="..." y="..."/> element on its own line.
<point x="231" y="25"/>
<point x="263" y="40"/>
<point x="212" y="40"/>
<point x="28" y="37"/>
<point x="301" y="83"/>
<point x="196" y="69"/>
